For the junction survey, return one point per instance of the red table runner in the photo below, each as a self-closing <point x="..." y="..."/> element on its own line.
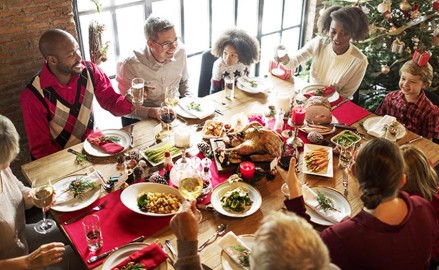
<point x="118" y="223"/>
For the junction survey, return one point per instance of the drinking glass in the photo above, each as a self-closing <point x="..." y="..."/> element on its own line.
<point x="191" y="187"/>
<point x="137" y="90"/>
<point x="182" y="140"/>
<point x="346" y="154"/>
<point x="167" y="115"/>
<point x="42" y="197"/>
<point x="93" y="233"/>
<point x="171" y="96"/>
<point x="229" y="86"/>
<point x="281" y="51"/>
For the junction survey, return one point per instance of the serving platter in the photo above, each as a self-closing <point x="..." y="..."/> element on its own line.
<point x="129" y="196"/>
<point x="221" y="189"/>
<point x="155" y="147"/>
<point x="329" y="171"/>
<point x="124" y="141"/>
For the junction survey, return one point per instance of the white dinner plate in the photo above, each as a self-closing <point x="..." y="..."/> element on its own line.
<point x="312" y="88"/>
<point x="340" y="203"/>
<point x="244" y="83"/>
<point x="130" y="194"/>
<point x="76" y="203"/>
<point x="372" y="121"/>
<point x="123" y="252"/>
<point x="329" y="169"/>
<point x="95" y="151"/>
<point x="207" y="108"/>
<point x="333" y="121"/>
<point x="227" y="262"/>
<point x="221" y="189"/>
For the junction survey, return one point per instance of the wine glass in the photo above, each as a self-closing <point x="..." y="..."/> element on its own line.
<point x="281" y="51"/>
<point x="42" y="196"/>
<point x="297" y="120"/>
<point x="171" y="96"/>
<point x="167" y="115"/>
<point x="191" y="187"/>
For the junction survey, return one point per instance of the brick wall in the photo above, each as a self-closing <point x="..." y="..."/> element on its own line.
<point x="21" y="24"/>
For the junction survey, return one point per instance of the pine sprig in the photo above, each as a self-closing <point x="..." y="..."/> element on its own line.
<point x="325" y="202"/>
<point x="80" y="186"/>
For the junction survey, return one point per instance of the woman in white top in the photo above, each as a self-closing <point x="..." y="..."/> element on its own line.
<point x="336" y="61"/>
<point x="21" y="247"/>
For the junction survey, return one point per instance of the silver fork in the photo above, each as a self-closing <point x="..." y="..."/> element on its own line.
<point x="94" y="209"/>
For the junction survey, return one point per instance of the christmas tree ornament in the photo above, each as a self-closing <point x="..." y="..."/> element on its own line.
<point x="405" y="5"/>
<point x="385" y="69"/>
<point x="398" y="46"/>
<point x="436" y="5"/>
<point x="421" y="57"/>
<point x="383" y="7"/>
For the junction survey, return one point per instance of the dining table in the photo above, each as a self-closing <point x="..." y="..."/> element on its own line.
<point x="120" y="225"/>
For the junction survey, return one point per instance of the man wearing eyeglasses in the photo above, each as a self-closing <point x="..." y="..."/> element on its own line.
<point x="161" y="63"/>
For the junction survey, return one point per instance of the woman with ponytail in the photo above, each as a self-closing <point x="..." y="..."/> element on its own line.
<point x="393" y="230"/>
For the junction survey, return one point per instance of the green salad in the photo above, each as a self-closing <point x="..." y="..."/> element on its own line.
<point x="236" y="200"/>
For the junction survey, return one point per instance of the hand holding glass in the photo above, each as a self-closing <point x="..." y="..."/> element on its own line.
<point x="137" y="90"/>
<point x="281" y="51"/>
<point x="191" y="187"/>
<point x="42" y="197"/>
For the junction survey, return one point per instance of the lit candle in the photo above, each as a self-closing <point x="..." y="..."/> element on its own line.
<point x="247" y="169"/>
<point x="298" y="115"/>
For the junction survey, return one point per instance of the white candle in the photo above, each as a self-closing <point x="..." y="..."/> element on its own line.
<point x="283" y="101"/>
<point x="182" y="137"/>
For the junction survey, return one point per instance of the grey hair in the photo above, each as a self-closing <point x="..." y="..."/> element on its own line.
<point x="287" y="241"/>
<point x="154" y="25"/>
<point x="9" y="138"/>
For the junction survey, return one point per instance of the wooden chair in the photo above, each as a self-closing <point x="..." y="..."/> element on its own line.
<point x="207" y="60"/>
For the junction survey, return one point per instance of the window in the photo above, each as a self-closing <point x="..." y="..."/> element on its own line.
<point x="198" y="22"/>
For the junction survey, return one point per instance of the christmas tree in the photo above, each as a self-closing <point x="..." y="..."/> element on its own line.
<point x="396" y="29"/>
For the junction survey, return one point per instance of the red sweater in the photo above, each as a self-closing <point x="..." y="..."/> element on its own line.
<point x="364" y="242"/>
<point x="35" y="114"/>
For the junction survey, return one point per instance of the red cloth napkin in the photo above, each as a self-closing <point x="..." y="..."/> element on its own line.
<point x="150" y="257"/>
<point x="349" y="113"/>
<point x="119" y="225"/>
<point x="327" y="91"/>
<point x="98" y="139"/>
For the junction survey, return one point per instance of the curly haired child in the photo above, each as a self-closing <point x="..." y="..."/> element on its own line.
<point x="236" y="51"/>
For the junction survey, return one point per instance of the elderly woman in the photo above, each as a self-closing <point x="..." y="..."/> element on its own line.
<point x="236" y="51"/>
<point x="393" y="231"/>
<point x="336" y="61"/>
<point x="17" y="238"/>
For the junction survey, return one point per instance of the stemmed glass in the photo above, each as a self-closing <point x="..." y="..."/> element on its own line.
<point x="171" y="96"/>
<point x="281" y="51"/>
<point x="42" y="196"/>
<point x="191" y="186"/>
<point x="167" y="115"/>
<point x="297" y="120"/>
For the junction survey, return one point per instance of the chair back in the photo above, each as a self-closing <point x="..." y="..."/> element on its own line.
<point x="207" y="60"/>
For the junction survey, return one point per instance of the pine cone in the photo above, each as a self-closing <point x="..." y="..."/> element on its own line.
<point x="157" y="178"/>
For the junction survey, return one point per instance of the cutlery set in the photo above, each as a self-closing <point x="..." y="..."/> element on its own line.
<point x="105" y="254"/>
<point x="94" y="209"/>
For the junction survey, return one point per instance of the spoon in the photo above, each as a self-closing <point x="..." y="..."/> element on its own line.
<point x="219" y="231"/>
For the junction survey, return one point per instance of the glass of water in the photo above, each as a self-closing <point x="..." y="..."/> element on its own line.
<point x="137" y="90"/>
<point x="93" y="232"/>
<point x="229" y="86"/>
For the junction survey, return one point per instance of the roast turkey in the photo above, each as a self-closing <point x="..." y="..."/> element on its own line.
<point x="256" y="141"/>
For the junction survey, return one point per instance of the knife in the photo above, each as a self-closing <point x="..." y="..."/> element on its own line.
<point x="131" y="136"/>
<point x="105" y="254"/>
<point x="414" y="140"/>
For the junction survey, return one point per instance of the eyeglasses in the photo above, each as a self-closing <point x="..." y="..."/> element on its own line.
<point x="166" y="45"/>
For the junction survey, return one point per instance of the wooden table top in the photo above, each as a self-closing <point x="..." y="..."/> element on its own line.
<point x="62" y="164"/>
